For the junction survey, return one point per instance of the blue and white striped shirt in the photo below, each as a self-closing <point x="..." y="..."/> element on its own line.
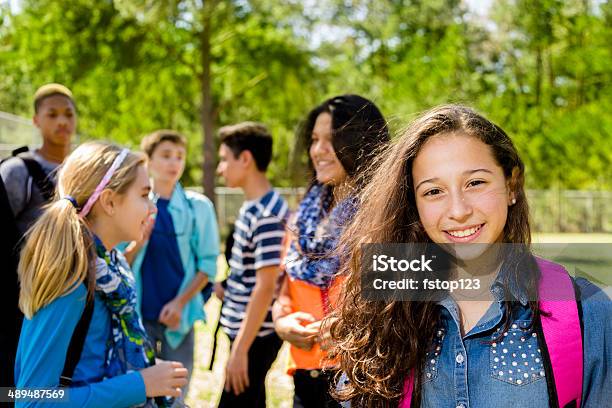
<point x="258" y="237"/>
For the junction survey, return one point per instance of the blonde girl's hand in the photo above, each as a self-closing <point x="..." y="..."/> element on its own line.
<point x="166" y="378"/>
<point x="135" y="246"/>
<point x="291" y="328"/>
<point x="148" y="228"/>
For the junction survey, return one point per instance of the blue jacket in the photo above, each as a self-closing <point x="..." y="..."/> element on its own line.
<point x="42" y="353"/>
<point x="197" y="234"/>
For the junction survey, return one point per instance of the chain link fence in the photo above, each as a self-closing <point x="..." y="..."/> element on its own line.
<point x="229" y="201"/>
<point x="571" y="211"/>
<point x="552" y="211"/>
<point x="16" y="131"/>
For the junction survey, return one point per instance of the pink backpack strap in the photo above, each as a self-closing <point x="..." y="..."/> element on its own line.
<point x="408" y="388"/>
<point x="561" y="329"/>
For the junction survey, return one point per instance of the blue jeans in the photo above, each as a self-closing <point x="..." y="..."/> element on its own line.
<point x="183" y="353"/>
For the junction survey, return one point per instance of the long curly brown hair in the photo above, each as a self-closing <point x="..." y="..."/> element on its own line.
<point x="377" y="343"/>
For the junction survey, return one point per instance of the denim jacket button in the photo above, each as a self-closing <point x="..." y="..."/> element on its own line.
<point x="459" y="359"/>
<point x="460" y="406"/>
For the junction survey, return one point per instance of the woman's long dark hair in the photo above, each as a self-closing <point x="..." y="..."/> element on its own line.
<point x="377" y="343"/>
<point x="359" y="132"/>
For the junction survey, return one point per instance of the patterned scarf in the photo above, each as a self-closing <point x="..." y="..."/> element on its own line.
<point x="309" y="258"/>
<point x="129" y="349"/>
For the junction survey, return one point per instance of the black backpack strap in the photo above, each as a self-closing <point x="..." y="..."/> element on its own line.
<point x="214" y="345"/>
<point x="39" y="176"/>
<point x="578" y="293"/>
<point x="44" y="184"/>
<point x="75" y="348"/>
<point x="19" y="150"/>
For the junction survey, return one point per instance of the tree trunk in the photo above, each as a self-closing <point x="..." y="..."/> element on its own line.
<point x="207" y="116"/>
<point x="538" y="76"/>
<point x="551" y="78"/>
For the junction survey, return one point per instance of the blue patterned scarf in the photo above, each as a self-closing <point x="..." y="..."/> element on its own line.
<point x="309" y="257"/>
<point x="130" y="348"/>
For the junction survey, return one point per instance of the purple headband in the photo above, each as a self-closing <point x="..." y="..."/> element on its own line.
<point x="103" y="183"/>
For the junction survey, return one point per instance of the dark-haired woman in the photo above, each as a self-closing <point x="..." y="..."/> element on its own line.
<point x="343" y="136"/>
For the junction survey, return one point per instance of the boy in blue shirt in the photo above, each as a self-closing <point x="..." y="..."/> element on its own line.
<point x="245" y="152"/>
<point x="178" y="257"/>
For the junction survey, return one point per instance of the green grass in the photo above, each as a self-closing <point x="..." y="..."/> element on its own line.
<point x="594" y="261"/>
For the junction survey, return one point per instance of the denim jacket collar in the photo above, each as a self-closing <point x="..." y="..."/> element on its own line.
<point x="515" y="290"/>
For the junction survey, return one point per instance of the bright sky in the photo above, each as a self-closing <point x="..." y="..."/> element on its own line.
<point x="478" y="6"/>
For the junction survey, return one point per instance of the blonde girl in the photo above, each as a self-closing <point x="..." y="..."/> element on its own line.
<point x="69" y="270"/>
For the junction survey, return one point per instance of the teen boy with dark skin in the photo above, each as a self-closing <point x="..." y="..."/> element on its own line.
<point x="56" y="118"/>
<point x="22" y="200"/>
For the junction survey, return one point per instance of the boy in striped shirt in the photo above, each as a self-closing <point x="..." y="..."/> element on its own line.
<point x="245" y="152"/>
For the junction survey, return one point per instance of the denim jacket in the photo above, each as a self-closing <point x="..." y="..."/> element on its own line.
<point x="472" y="371"/>
<point x="197" y="234"/>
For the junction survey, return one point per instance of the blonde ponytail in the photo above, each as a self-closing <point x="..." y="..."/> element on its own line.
<point x="55" y="259"/>
<point x="59" y="252"/>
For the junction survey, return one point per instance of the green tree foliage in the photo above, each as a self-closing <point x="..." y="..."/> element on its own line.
<point x="135" y="67"/>
<point x="539" y="68"/>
